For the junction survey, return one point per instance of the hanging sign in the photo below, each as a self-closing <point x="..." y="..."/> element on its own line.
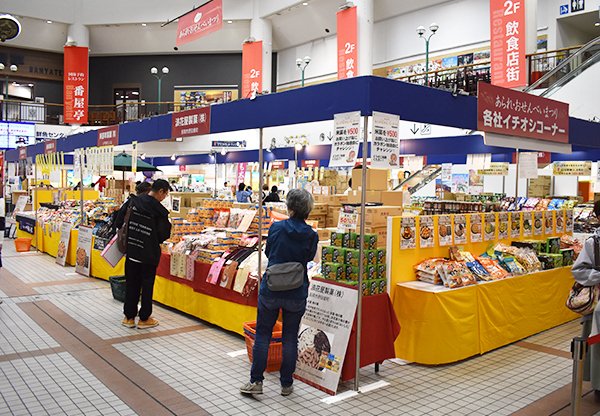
<point x="445" y="230"/>
<point x="489" y="227"/>
<point x="108" y="136"/>
<point x="527" y="224"/>
<point x="560" y="221"/>
<point x="22" y="153"/>
<point x="446" y="172"/>
<point x="222" y="143"/>
<point x="241" y="173"/>
<point x="191" y="122"/>
<point x="75" y="85"/>
<point x="426" y="231"/>
<point x="310" y="163"/>
<point x="324" y="333"/>
<point x="407" y="230"/>
<point x="460" y="229"/>
<point x="528" y="165"/>
<point x="344" y="148"/>
<point x="548" y="222"/>
<point x="572" y="168"/>
<point x="515" y="113"/>
<point x="502" y="225"/>
<point x="278" y="164"/>
<point x="63" y="243"/>
<point x="385" y="146"/>
<point x="251" y="68"/>
<point x="200" y="22"/>
<point x="515" y="224"/>
<point x="569" y="221"/>
<point x="538" y="223"/>
<point x="508" y="43"/>
<point x="182" y="168"/>
<point x="49" y="146"/>
<point x="475" y="228"/>
<point x="495" y="169"/>
<point x="84" y="250"/>
<point x="346" y="43"/>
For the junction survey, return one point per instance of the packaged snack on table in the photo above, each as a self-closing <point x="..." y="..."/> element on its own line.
<point x="504" y="249"/>
<point x="528" y="259"/>
<point x="567" y="256"/>
<point x="542" y="205"/>
<point x="327" y="254"/>
<point x="222" y="216"/>
<point x="553" y="245"/>
<point x="495" y="271"/>
<point x="478" y="270"/>
<point x="515" y="268"/>
<point x="530" y="204"/>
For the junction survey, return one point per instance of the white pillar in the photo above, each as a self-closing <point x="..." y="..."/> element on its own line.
<point x="261" y="29"/>
<point x="531" y="26"/>
<point x="78" y="33"/>
<point x="364" y="18"/>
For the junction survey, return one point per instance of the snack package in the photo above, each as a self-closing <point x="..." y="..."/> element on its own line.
<point x="542" y="205"/>
<point x="222" y="218"/>
<point x="513" y="266"/>
<point x="520" y="203"/>
<point x="494" y="270"/>
<point x="530" y="204"/>
<point x="528" y="259"/>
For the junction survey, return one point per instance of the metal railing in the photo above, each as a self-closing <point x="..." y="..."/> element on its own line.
<point x="463" y="77"/>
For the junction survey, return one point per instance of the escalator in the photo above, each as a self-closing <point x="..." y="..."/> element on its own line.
<point x="419" y="179"/>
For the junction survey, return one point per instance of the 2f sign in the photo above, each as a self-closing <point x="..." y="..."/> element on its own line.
<point x="511" y="7"/>
<point x="350" y="47"/>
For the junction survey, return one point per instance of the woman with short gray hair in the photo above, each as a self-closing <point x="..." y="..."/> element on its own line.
<point x="289" y="241"/>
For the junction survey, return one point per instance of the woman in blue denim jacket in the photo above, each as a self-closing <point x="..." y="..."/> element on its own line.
<point x="291" y="240"/>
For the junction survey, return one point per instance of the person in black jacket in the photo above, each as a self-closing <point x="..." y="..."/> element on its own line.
<point x="148" y="227"/>
<point x="119" y="216"/>
<point x="273" y="196"/>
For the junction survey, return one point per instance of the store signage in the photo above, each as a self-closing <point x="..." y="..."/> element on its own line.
<point x="182" y="168"/>
<point x="310" y="163"/>
<point x="84" y="250"/>
<point x="447" y="172"/>
<point x="508" y="43"/>
<point x="344" y="148"/>
<point x="108" y="136"/>
<point x="200" y="22"/>
<point x="385" y="146"/>
<point x="22" y="153"/>
<point x="241" y="173"/>
<point x="221" y="144"/>
<point x="496" y="168"/>
<point x="543" y="158"/>
<point x="347" y="221"/>
<point x="514" y="113"/>
<point x="572" y="168"/>
<point x="49" y="146"/>
<point x="528" y="167"/>
<point x="191" y="122"/>
<point x="251" y="68"/>
<point x="577" y="5"/>
<point x="27" y="224"/>
<point x="346" y="43"/>
<point x="278" y="164"/>
<point x="324" y="333"/>
<point x="564" y="9"/>
<point x="63" y="243"/>
<point x="76" y="85"/>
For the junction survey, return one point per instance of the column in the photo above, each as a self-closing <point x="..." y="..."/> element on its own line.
<point x="261" y="29"/>
<point x="531" y="26"/>
<point x="364" y="18"/>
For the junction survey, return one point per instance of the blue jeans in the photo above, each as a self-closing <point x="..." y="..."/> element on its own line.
<point x="268" y="311"/>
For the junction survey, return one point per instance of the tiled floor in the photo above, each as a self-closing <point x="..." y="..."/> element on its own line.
<point x="64" y="352"/>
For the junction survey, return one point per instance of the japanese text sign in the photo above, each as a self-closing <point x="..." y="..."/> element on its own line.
<point x="495" y="169"/>
<point x="309" y="163"/>
<point x="251" y="68"/>
<point x="49" y="146"/>
<point x="385" y="145"/>
<point x="200" y="22"/>
<point x="278" y="164"/>
<point x="514" y="113"/>
<point x="508" y="43"/>
<point x="22" y="153"/>
<point x="572" y="168"/>
<point x="191" y="122"/>
<point x="76" y="85"/>
<point x="344" y="148"/>
<point x="108" y="136"/>
<point x="241" y="173"/>
<point x="346" y="43"/>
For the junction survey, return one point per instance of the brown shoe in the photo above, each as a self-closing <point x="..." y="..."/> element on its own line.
<point x="148" y="323"/>
<point x="129" y="323"/>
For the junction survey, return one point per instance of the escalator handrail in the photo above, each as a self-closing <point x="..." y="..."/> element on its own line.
<point x="563" y="64"/>
<point x="558" y="84"/>
<point x="411" y="177"/>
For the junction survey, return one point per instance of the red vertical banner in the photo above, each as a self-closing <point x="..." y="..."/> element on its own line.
<point x="22" y="153"/>
<point x="76" y="85"/>
<point x="346" y="43"/>
<point x="241" y="173"/>
<point x="251" y="68"/>
<point x="508" y="43"/>
<point x="200" y="22"/>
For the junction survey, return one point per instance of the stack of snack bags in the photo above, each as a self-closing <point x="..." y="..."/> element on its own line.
<point x="567" y="241"/>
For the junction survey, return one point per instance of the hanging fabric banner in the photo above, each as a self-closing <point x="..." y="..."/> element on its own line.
<point x="346" y="43"/>
<point x="134" y="157"/>
<point x="508" y="43"/>
<point x="76" y="85"/>
<point x="200" y="22"/>
<point x="251" y="68"/>
<point x="385" y="145"/>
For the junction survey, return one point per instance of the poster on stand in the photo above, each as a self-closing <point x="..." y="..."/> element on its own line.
<point x="502" y="225"/>
<point x="84" y="250"/>
<point x="408" y="240"/>
<point x="489" y="227"/>
<point x="569" y="220"/>
<point x="460" y="229"/>
<point x="426" y="231"/>
<point x="385" y="146"/>
<point x="538" y="223"/>
<point x="548" y="222"/>
<point x="527" y="224"/>
<point x="19" y="207"/>
<point x="560" y="221"/>
<point x="446" y="172"/>
<point x="344" y="149"/>
<point x="475" y="228"/>
<point x="324" y="333"/>
<point x="63" y="243"/>
<point x="515" y="224"/>
<point x="445" y="230"/>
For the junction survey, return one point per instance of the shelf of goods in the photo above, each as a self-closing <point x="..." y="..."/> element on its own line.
<point x="443" y="325"/>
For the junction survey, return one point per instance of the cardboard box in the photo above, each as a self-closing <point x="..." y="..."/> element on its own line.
<point x="340" y="199"/>
<point x="323" y="234"/>
<point x="377" y="216"/>
<point x="318" y="209"/>
<point x="376" y="179"/>
<point x="355" y="196"/>
<point x="324" y="199"/>
<point x="381" y="233"/>
<point x="334" y="271"/>
<point x="395" y="198"/>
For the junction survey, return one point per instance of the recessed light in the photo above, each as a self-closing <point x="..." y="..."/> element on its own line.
<point x="144" y="24"/>
<point x="597" y="24"/>
<point x="48" y="21"/>
<point x="230" y="21"/>
<point x="305" y="4"/>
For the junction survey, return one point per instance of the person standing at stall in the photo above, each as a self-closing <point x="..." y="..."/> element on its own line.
<point x="242" y="194"/>
<point x="148" y="227"/>
<point x="291" y="240"/>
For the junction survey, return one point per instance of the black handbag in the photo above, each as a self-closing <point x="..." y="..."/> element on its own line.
<point x="284" y="276"/>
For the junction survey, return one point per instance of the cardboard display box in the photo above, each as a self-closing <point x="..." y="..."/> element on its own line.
<point x="395" y="198"/>
<point x="377" y="216"/>
<point x="354" y="197"/>
<point x="376" y="179"/>
<point x="319" y="209"/>
<point x="340" y="199"/>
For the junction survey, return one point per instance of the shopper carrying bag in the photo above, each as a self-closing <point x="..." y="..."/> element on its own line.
<point x="586" y="272"/>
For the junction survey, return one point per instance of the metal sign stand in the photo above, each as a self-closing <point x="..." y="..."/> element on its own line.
<point x="260" y="201"/>
<point x="517" y="175"/>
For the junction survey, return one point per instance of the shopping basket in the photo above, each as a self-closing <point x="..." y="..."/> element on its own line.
<point x="275" y="347"/>
<point x="22" y="244"/>
<point x="117" y="285"/>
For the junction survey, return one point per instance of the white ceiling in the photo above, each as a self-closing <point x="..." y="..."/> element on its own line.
<point x="115" y="26"/>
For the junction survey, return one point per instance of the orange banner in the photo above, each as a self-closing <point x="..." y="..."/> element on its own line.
<point x="508" y="43"/>
<point x="76" y="85"/>
<point x="200" y="22"/>
<point x="251" y="68"/>
<point x="346" y="43"/>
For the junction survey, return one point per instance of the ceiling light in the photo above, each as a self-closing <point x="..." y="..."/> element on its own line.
<point x="597" y="24"/>
<point x="230" y="21"/>
<point x="223" y="151"/>
<point x="49" y="21"/>
<point x="173" y="156"/>
<point x="298" y="146"/>
<point x="305" y="4"/>
<point x="143" y="24"/>
<point x="135" y="93"/>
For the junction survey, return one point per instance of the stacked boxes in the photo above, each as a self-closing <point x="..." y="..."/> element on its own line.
<point x="265" y="218"/>
<point x="539" y="187"/>
<point x="340" y="261"/>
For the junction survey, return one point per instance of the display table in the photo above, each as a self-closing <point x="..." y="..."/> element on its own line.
<point x="442" y="325"/>
<point x="378" y="331"/>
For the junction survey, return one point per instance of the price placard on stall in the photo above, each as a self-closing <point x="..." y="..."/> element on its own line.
<point x="495" y="169"/>
<point x="502" y="225"/>
<point x="460" y="229"/>
<point x="475" y="228"/>
<point x="344" y="149"/>
<point x="489" y="227"/>
<point x="385" y="145"/>
<point x="515" y="224"/>
<point x="527" y="224"/>
<point x="426" y="231"/>
<point x="347" y="221"/>
<point x="445" y="230"/>
<point x="538" y="223"/>
<point x="572" y="168"/>
<point x="408" y="231"/>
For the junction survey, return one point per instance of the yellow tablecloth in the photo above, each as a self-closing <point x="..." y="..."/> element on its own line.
<point x="48" y="242"/>
<point x="101" y="269"/>
<point x="449" y="325"/>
